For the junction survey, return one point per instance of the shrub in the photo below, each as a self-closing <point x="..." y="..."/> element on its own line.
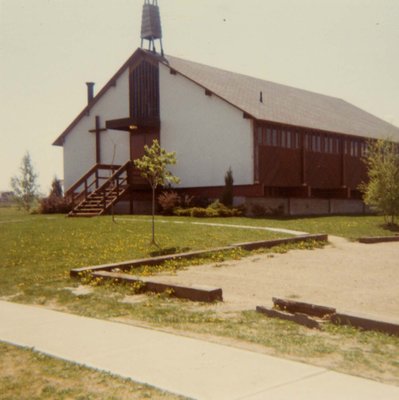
<point x="201" y="202"/>
<point x="258" y="210"/>
<point x="227" y="196"/>
<point x="198" y="212"/>
<point x="54" y="205"/>
<point x="216" y="209"/>
<point x="182" y="212"/>
<point x="223" y="211"/>
<point x="168" y="202"/>
<point x="186" y="201"/>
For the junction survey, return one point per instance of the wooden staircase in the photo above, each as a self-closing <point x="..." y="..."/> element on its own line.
<point x="94" y="194"/>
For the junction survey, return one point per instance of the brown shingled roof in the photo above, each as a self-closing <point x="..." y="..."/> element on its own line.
<point x="285" y="104"/>
<point x="281" y="103"/>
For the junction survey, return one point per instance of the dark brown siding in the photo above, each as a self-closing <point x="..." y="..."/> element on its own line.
<point x="323" y="170"/>
<point x="290" y="158"/>
<point x="355" y="172"/>
<point x="144" y="91"/>
<point x="279" y="167"/>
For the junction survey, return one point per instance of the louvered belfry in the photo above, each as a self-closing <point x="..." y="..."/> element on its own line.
<point x="151" y="24"/>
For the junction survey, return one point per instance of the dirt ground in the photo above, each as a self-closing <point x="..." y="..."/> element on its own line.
<point x="350" y="276"/>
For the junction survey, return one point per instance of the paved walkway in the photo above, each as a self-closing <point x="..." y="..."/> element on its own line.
<point x="181" y="365"/>
<point x="249" y="227"/>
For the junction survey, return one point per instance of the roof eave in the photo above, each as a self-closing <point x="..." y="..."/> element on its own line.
<point x="61" y="138"/>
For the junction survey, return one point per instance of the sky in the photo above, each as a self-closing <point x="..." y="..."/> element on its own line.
<point x="50" y="48"/>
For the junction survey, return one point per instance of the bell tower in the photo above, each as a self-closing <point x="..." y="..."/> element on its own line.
<point x="151" y="25"/>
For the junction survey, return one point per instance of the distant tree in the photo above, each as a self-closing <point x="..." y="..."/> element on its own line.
<point x="25" y="185"/>
<point x="56" y="188"/>
<point x="55" y="203"/>
<point x="381" y="192"/>
<point x="227" y="196"/>
<point x="153" y="167"/>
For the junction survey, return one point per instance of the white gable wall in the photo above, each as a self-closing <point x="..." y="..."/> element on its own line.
<point x="80" y="144"/>
<point x="207" y="134"/>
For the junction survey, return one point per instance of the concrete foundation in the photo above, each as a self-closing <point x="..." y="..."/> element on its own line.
<point x="259" y="206"/>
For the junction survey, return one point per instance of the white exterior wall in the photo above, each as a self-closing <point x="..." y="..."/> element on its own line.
<point x="80" y="144"/>
<point x="207" y="134"/>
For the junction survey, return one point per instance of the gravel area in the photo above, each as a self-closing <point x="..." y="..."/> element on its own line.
<point x="353" y="277"/>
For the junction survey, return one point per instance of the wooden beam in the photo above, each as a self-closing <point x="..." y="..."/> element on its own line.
<point x="304" y="308"/>
<point x="194" y="293"/>
<point x="300" y="319"/>
<point x="97" y="130"/>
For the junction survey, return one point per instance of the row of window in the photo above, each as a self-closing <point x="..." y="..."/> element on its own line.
<point x="279" y="138"/>
<point x="314" y="142"/>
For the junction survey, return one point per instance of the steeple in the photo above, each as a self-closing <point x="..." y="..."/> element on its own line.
<point x="151" y="25"/>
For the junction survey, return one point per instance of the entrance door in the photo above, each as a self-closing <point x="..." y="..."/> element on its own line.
<point x="138" y="141"/>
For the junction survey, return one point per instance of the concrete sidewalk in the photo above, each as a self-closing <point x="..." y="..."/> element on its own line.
<point x="181" y="365"/>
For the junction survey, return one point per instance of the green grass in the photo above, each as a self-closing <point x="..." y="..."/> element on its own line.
<point x="37" y="252"/>
<point x="350" y="227"/>
<point x="29" y="375"/>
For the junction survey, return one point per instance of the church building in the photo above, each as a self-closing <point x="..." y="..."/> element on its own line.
<point x="289" y="149"/>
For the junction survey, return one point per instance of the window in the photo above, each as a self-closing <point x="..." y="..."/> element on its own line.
<point x="288" y="133"/>
<point x="297" y="140"/>
<point x="337" y="146"/>
<point x="354" y="148"/>
<point x="274" y="137"/>
<point x="260" y="136"/>
<point x="268" y="136"/>
<point x="329" y="145"/>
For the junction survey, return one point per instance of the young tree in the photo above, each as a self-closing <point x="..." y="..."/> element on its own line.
<point x="381" y="192"/>
<point x="153" y="167"/>
<point x="227" y="196"/>
<point x="24" y="186"/>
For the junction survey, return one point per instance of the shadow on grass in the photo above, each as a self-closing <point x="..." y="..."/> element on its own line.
<point x="390" y="227"/>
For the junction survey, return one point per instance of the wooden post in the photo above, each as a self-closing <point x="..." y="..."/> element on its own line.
<point x="97" y="130"/>
<point x="303" y="159"/>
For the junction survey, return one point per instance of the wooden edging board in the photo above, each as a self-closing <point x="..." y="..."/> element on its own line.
<point x="127" y="265"/>
<point x="378" y="239"/>
<point x="301" y="313"/>
<point x="365" y="322"/>
<point x="195" y="293"/>
<point x="293" y="306"/>
<point x="301" y="319"/>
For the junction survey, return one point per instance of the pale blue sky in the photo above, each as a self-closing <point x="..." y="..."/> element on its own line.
<point x="50" y="48"/>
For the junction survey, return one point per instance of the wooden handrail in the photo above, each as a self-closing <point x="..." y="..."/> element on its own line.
<point x="91" y="173"/>
<point x="121" y="170"/>
<point x="103" y="196"/>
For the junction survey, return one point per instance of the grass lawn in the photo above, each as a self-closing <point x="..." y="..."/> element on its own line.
<point x="37" y="252"/>
<point x="28" y="375"/>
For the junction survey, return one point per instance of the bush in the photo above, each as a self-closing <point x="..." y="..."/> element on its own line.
<point x="54" y="205"/>
<point x="227" y="195"/>
<point x="216" y="209"/>
<point x="223" y="211"/>
<point x="257" y="210"/>
<point x="198" y="212"/>
<point x="201" y="202"/>
<point x="182" y="212"/>
<point x="186" y="201"/>
<point x="168" y="202"/>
